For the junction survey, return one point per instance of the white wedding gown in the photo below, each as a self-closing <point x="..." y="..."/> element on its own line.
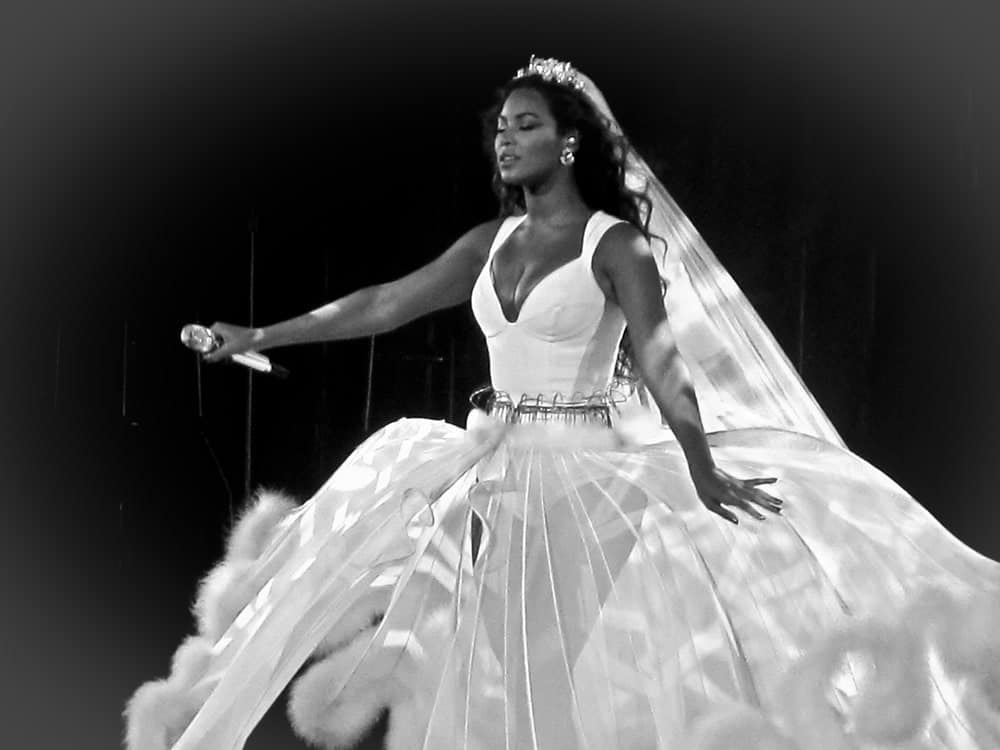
<point x="558" y="587"/>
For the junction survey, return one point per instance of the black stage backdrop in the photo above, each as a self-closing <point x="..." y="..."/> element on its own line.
<point x="841" y="161"/>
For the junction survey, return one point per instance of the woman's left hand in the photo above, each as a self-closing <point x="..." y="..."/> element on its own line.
<point x="718" y="489"/>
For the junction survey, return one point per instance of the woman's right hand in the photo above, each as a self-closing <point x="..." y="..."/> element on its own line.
<point x="235" y="340"/>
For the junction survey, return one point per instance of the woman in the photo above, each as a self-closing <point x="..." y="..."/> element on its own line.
<point x="546" y="580"/>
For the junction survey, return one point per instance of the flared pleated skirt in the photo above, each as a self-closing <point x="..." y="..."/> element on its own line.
<point x="511" y="589"/>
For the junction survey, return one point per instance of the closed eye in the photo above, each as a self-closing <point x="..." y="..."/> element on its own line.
<point x="498" y="131"/>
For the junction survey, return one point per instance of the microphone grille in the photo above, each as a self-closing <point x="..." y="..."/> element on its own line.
<point x="199" y="338"/>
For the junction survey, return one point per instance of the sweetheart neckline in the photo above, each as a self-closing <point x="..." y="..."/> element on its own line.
<point x="530" y="293"/>
<point x="492" y="279"/>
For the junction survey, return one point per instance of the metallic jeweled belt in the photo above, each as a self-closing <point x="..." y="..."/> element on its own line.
<point x="595" y="409"/>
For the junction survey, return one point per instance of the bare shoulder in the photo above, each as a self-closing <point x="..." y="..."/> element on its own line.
<point x="623" y="249"/>
<point x="475" y="243"/>
<point x="624" y="262"/>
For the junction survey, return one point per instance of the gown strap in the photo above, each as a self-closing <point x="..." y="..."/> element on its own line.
<point x="506" y="229"/>
<point x="599" y="223"/>
<point x="597" y="226"/>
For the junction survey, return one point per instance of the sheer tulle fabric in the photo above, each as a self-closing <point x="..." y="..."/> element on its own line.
<point x="546" y="596"/>
<point x="741" y="375"/>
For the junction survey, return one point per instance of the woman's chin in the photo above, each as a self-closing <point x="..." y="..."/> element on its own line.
<point x="517" y="176"/>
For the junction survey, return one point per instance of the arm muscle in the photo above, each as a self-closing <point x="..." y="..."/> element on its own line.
<point x="444" y="282"/>
<point x="626" y="259"/>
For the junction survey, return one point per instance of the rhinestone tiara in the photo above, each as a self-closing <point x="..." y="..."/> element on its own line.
<point x="550" y="69"/>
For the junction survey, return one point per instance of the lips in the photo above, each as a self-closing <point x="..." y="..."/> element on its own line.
<point x="504" y="159"/>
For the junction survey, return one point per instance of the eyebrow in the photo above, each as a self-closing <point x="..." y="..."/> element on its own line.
<point x="519" y="116"/>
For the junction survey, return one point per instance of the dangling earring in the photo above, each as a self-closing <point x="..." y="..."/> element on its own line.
<point x="567" y="156"/>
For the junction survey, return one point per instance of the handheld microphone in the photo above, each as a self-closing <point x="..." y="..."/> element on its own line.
<point x="205" y="340"/>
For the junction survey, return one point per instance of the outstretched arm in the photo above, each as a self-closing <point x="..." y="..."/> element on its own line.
<point x="444" y="282"/>
<point x="626" y="261"/>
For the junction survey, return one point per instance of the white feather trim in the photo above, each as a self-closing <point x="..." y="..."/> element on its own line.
<point x="227" y="588"/>
<point x="362" y="615"/>
<point x="258" y="525"/>
<point x="327" y="716"/>
<point x="160" y="710"/>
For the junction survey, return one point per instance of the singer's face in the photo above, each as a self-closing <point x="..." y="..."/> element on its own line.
<point x="527" y="143"/>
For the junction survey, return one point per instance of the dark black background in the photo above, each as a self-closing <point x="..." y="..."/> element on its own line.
<point x="843" y="154"/>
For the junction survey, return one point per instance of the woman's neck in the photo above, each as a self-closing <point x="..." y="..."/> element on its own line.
<point x="556" y="204"/>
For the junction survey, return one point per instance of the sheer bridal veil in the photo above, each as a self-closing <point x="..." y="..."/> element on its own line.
<point x="742" y="377"/>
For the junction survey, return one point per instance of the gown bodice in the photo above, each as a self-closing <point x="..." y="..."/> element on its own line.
<point x="565" y="338"/>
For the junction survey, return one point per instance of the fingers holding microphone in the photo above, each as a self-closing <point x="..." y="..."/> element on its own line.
<point x="229" y="340"/>
<point x="223" y="341"/>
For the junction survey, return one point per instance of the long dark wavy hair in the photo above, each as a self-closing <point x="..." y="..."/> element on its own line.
<point x="600" y="157"/>
<point x="599" y="169"/>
